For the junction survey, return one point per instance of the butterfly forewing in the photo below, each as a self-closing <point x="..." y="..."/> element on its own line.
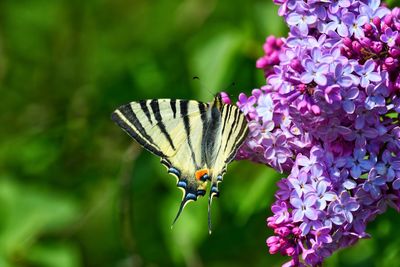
<point x="233" y="132"/>
<point x="173" y="130"/>
<point x="158" y="124"/>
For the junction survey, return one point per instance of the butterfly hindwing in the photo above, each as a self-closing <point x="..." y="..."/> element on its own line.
<point x="222" y="147"/>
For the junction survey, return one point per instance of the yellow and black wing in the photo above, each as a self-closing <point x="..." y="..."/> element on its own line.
<point x="172" y="130"/>
<point x="230" y="133"/>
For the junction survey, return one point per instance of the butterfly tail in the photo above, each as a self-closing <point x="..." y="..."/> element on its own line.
<point x="214" y="192"/>
<point x="189" y="194"/>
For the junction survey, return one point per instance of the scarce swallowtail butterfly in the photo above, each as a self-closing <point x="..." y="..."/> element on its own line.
<point x="195" y="140"/>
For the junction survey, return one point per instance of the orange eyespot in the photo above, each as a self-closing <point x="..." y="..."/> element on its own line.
<point x="201" y="173"/>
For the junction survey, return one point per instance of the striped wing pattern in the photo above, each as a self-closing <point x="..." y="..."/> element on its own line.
<point x="191" y="138"/>
<point x="231" y="133"/>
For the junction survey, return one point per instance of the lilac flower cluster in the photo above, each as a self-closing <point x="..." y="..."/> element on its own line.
<point x="328" y="116"/>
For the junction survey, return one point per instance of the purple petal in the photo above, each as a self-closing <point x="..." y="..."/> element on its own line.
<point x="310" y="200"/>
<point x="369" y="66"/>
<point x="342" y="30"/>
<point x="349" y="107"/>
<point x="298" y="215"/>
<point x="311" y="214"/>
<point x="355" y="171"/>
<point x="306" y="78"/>
<point x="321" y="187"/>
<point x="320" y="79"/>
<point x="374" y="77"/>
<point x="296" y="202"/>
<point x="294" y="19"/>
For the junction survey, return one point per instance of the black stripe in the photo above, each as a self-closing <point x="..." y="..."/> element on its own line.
<point x="143" y="105"/>
<point x="185" y="117"/>
<point x="227" y="115"/>
<point x="240" y="138"/>
<point x="204" y="132"/>
<point x="130" y="116"/>
<point x="234" y="124"/>
<point x="226" y="118"/>
<point x="172" y="103"/>
<point x="156" y="111"/>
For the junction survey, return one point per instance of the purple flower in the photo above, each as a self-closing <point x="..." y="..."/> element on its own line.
<point x="354" y="25"/>
<point x="349" y="97"/>
<point x="313" y="72"/>
<point x="358" y="163"/>
<point x="281" y="212"/>
<point x="300" y="184"/>
<point x="373" y="9"/>
<point x="390" y="37"/>
<point x="389" y="167"/>
<point x="374" y="183"/>
<point x="246" y="104"/>
<point x="304" y="208"/>
<point x="265" y="107"/>
<point x="345" y="205"/>
<point x="343" y="77"/>
<point x="328" y="114"/>
<point x="323" y="196"/>
<point x="322" y="235"/>
<point x="396" y="184"/>
<point x="367" y="74"/>
<point x="301" y="21"/>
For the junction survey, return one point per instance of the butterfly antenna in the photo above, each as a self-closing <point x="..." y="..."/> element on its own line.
<point x="202" y="86"/>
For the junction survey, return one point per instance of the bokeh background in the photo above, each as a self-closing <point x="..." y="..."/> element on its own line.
<point x="76" y="191"/>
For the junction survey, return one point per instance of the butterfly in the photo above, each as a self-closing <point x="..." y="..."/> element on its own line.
<point x="195" y="140"/>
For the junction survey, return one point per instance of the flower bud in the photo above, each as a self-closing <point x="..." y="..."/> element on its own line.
<point x="384" y="27"/>
<point x="347" y="41"/>
<point x="394" y="51"/>
<point x="368" y="28"/>
<point x="296" y="65"/>
<point x="296" y="231"/>
<point x="290" y="251"/>
<point x="388" y="20"/>
<point x="377" y="47"/>
<point x="366" y="42"/>
<point x="282" y="231"/>
<point x="397" y="25"/>
<point x="398" y="40"/>
<point x="390" y="63"/>
<point x="396" y="12"/>
<point x="377" y="22"/>
<point x="268" y="48"/>
<point x="356" y="46"/>
<point x="271" y="40"/>
<point x="279" y="42"/>
<point x="272" y="240"/>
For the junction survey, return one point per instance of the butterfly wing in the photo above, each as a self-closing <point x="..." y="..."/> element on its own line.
<point x="172" y="130"/>
<point x="230" y="134"/>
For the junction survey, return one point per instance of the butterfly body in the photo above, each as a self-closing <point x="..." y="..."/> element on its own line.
<point x="195" y="140"/>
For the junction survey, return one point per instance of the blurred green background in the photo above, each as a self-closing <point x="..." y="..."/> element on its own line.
<point x="76" y="191"/>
